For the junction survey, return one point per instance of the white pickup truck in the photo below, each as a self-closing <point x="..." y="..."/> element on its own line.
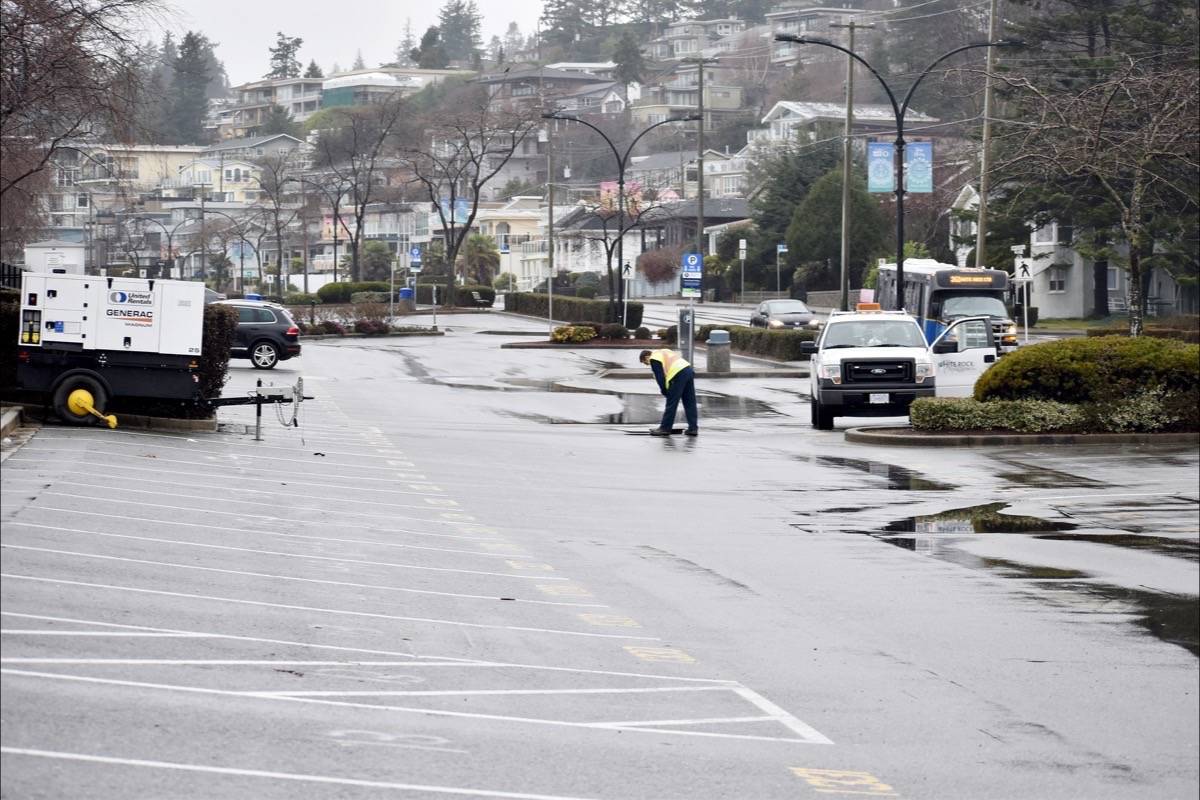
<point x="875" y="363"/>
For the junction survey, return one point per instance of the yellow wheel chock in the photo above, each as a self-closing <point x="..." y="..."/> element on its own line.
<point x="80" y="402"/>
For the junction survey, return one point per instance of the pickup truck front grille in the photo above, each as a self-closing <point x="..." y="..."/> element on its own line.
<point x="881" y="371"/>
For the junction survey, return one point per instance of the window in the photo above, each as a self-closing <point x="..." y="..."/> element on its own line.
<point x="82" y="201"/>
<point x="1058" y="279"/>
<point x="523" y="90"/>
<point x="1114" y="279"/>
<point x="228" y="174"/>
<point x="1045" y="234"/>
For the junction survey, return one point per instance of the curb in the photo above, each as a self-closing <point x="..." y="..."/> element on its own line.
<point x="142" y="422"/>
<point x="318" y="336"/>
<point x="907" y="437"/>
<point x="10" y="420"/>
<point x="624" y="373"/>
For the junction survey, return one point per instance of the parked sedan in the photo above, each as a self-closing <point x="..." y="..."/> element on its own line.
<point x="266" y="333"/>
<point x="779" y="314"/>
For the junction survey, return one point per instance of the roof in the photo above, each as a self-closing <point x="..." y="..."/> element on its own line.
<point x="723" y="209"/>
<point x="249" y="141"/>
<point x="533" y="72"/>
<point x="862" y="113"/>
<point x="56" y="244"/>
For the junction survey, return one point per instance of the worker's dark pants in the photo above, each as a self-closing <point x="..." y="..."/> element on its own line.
<point x="683" y="387"/>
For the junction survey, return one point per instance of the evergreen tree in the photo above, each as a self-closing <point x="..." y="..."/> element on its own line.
<point x="335" y="68"/>
<point x="631" y="66"/>
<point x="408" y="43"/>
<point x="218" y="79"/>
<point x="814" y="233"/>
<point x="189" y="101"/>
<point x="160" y="79"/>
<point x="431" y="54"/>
<point x="564" y="22"/>
<point x="283" y="57"/>
<point x="313" y="70"/>
<point x="358" y="61"/>
<point x="514" y="42"/>
<point x="459" y="23"/>
<point x="279" y="120"/>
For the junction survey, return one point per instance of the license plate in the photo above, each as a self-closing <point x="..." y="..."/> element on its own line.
<point x="878" y="398"/>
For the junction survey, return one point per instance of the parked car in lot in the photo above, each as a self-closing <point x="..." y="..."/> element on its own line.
<point x="266" y="333"/>
<point x="780" y="314"/>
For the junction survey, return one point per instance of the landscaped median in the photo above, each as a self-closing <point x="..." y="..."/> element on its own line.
<point x="1104" y="389"/>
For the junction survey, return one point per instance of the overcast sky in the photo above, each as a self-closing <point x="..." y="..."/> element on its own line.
<point x="332" y="30"/>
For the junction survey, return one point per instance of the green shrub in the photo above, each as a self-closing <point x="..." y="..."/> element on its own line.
<point x="342" y="292"/>
<point x="424" y="293"/>
<point x="586" y="292"/>
<point x="1022" y="416"/>
<point x="642" y="333"/>
<point x="574" y="334"/>
<point x="669" y="335"/>
<point x="1093" y="370"/>
<point x="595" y="326"/>
<point x="570" y="309"/>
<point x="301" y="299"/>
<point x="613" y="330"/>
<point x="10" y="330"/>
<point x="782" y="345"/>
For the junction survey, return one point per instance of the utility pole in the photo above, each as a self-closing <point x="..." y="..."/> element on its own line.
<point x="550" y="218"/>
<point x="984" y="163"/>
<point x="700" y="63"/>
<point x="844" y="283"/>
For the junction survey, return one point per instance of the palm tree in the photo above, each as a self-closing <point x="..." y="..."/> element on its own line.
<point x="481" y="257"/>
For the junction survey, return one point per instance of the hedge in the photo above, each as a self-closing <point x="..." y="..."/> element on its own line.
<point x="782" y="345"/>
<point x="575" y="334"/>
<point x="342" y="292"/>
<point x="462" y="294"/>
<point x="1144" y="411"/>
<point x="1152" y="331"/>
<point x="571" y="309"/>
<point x="1093" y="370"/>
<point x="10" y="329"/>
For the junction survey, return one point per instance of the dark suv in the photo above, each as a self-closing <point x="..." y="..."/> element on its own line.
<point x="266" y="333"/>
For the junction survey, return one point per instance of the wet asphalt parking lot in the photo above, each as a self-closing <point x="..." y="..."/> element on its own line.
<point x="456" y="578"/>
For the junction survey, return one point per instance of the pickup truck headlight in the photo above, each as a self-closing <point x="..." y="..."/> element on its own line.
<point x="831" y="372"/>
<point x="923" y="370"/>
<point x="774" y="323"/>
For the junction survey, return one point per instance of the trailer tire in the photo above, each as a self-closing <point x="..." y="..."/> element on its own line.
<point x="264" y="354"/>
<point x="62" y="396"/>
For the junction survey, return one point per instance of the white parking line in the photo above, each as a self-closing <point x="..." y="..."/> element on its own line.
<point x="224" y="445"/>
<point x="503" y="693"/>
<point x="425" y="711"/>
<point x="132" y="634"/>
<point x="285" y="776"/>
<point x="281" y="553"/>
<point x="323" y="523"/>
<point x="334" y="611"/>
<point x="459" y="595"/>
<point x="289" y="496"/>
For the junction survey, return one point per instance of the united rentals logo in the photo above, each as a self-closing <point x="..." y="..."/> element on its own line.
<point x="131" y="298"/>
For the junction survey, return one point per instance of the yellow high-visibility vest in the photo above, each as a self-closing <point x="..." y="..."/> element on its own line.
<point x="672" y="363"/>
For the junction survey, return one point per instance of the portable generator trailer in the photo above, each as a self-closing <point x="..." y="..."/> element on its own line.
<point x="85" y="339"/>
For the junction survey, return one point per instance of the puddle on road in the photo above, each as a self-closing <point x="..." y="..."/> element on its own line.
<point x="648" y="408"/>
<point x="1044" y="477"/>
<point x="895" y="477"/>
<point x="976" y="519"/>
<point x="1170" y="618"/>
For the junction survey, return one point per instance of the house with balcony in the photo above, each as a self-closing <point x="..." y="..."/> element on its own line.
<point x="679" y="95"/>
<point x="228" y="180"/>
<point x="600" y="69"/>
<point x="525" y="86"/>
<point x="727" y="175"/>
<point x="366" y="87"/>
<point x="253" y="147"/>
<point x="789" y="122"/>
<point x="692" y="37"/>
<point x="300" y="97"/>
<point x="812" y="18"/>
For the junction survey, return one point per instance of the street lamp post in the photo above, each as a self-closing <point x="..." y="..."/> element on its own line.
<point x="622" y="163"/>
<point x="170" y="232"/>
<point x="240" y="282"/>
<point x="899" y="110"/>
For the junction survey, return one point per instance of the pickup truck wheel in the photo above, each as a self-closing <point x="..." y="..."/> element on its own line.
<point x="822" y="418"/>
<point x="264" y="355"/>
<point x="95" y="395"/>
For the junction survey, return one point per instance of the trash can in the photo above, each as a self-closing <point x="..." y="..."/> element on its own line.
<point x="718" y="351"/>
<point x="253" y="296"/>
<point x="407" y="300"/>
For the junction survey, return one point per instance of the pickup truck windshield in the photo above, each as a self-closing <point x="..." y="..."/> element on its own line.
<point x="873" y="333"/>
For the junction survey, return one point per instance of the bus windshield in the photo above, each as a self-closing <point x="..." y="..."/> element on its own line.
<point x="874" y="333"/>
<point x="972" y="305"/>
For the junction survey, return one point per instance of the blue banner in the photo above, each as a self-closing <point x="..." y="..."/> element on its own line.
<point x="880" y="169"/>
<point x="462" y="210"/>
<point x="918" y="167"/>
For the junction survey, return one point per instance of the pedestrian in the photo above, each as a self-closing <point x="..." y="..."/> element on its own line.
<point x="677" y="381"/>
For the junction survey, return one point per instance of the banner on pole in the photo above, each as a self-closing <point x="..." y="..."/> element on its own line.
<point x="880" y="177"/>
<point x="918" y="167"/>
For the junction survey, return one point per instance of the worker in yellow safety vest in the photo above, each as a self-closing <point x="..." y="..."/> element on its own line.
<point x="677" y="381"/>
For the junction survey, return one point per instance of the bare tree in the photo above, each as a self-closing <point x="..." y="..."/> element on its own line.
<point x="605" y="225"/>
<point x="275" y="184"/>
<point x="353" y="151"/>
<point x="1133" y="135"/>
<point x="67" y="69"/>
<point x="456" y="151"/>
